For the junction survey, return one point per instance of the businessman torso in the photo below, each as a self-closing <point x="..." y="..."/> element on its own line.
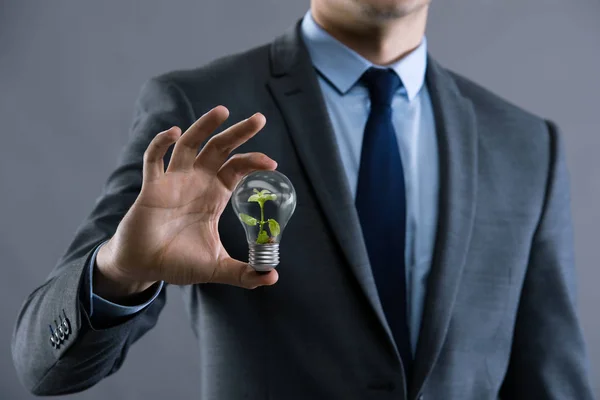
<point x="320" y="332"/>
<point x="499" y="309"/>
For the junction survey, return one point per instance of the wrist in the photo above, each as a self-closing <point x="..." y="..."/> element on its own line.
<point x="109" y="281"/>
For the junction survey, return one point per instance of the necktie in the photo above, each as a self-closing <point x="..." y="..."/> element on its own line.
<point x="381" y="205"/>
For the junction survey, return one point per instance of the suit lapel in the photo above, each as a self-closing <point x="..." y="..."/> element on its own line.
<point x="457" y="138"/>
<point x="296" y="91"/>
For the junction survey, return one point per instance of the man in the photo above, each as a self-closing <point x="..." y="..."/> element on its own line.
<point x="429" y="257"/>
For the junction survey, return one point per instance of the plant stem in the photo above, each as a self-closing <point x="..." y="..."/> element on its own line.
<point x="262" y="216"/>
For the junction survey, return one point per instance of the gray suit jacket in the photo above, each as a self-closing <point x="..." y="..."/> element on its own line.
<point x="500" y="315"/>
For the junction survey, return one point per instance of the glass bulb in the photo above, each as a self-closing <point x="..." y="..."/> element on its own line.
<point x="264" y="202"/>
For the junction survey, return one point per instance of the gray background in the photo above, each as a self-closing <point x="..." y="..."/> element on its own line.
<point x="70" y="72"/>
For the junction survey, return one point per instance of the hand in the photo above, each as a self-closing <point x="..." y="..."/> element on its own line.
<point x="170" y="233"/>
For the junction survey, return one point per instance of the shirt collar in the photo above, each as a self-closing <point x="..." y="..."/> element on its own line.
<point x="343" y="67"/>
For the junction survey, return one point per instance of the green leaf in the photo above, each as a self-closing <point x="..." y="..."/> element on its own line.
<point x="248" y="220"/>
<point x="274" y="227"/>
<point x="262" y="238"/>
<point x="262" y="196"/>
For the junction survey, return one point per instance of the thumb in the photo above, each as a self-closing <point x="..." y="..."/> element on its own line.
<point x="238" y="273"/>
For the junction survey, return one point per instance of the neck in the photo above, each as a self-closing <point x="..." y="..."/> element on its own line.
<point x="380" y="42"/>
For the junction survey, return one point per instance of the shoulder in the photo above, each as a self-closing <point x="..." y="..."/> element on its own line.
<point x="516" y="146"/>
<point x="489" y="105"/>
<point x="232" y="73"/>
<point x="501" y="124"/>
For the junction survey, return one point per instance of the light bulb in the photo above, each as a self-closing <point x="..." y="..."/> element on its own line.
<point x="264" y="202"/>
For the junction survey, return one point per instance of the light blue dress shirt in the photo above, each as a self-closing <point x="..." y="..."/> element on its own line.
<point x="101" y="309"/>
<point x="347" y="99"/>
<point x="339" y="69"/>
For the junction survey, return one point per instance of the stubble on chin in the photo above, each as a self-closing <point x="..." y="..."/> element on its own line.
<point x="380" y="13"/>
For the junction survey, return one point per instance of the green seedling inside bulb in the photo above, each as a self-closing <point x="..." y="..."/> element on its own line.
<point x="261" y="197"/>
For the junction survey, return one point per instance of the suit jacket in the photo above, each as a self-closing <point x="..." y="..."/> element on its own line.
<point x="500" y="315"/>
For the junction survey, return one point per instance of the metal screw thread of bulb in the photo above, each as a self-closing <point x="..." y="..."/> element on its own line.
<point x="263" y="257"/>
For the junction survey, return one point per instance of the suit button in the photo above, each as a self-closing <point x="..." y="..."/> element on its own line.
<point x="65" y="323"/>
<point x="58" y="331"/>
<point x="61" y="332"/>
<point x="53" y="342"/>
<point x="65" y="326"/>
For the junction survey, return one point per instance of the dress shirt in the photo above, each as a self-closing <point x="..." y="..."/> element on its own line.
<point x="101" y="309"/>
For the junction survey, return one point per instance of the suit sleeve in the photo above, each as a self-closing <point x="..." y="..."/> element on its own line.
<point x="548" y="359"/>
<point x="86" y="354"/>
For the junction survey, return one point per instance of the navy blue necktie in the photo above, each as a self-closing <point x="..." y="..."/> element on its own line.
<point x="381" y="205"/>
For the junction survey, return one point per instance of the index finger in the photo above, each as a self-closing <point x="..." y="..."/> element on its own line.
<point x="186" y="148"/>
<point x="217" y="149"/>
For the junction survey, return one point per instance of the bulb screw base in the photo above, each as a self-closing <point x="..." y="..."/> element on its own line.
<point x="263" y="257"/>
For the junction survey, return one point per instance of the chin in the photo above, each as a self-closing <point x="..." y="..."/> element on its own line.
<point x="391" y="8"/>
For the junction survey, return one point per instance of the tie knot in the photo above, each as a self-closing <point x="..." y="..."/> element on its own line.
<point x="382" y="84"/>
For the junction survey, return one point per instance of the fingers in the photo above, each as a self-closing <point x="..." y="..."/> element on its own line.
<point x="186" y="149"/>
<point x="217" y="149"/>
<point x="154" y="166"/>
<point x="240" y="165"/>
<point x="237" y="273"/>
